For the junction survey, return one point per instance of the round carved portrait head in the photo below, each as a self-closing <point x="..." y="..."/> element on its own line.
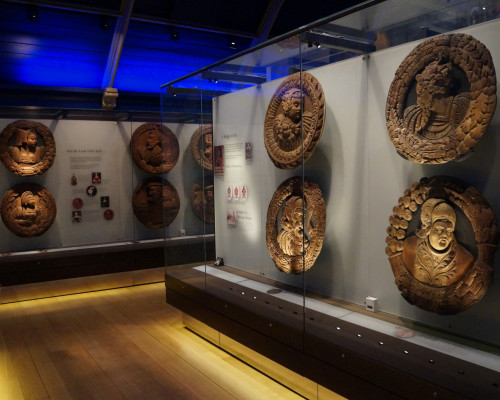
<point x="433" y="269"/>
<point x="442" y="99"/>
<point x="201" y="147"/>
<point x="155" y="202"/>
<point x="295" y="225"/>
<point x="27" y="148"/>
<point x="202" y="202"/>
<point x="28" y="209"/>
<point x="294" y="120"/>
<point x="155" y="148"/>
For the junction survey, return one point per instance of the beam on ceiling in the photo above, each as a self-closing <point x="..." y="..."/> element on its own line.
<point x="117" y="45"/>
<point x="194" y="27"/>
<point x="267" y="21"/>
<point x="266" y="24"/>
<point x="337" y="43"/>
<point x="68" y="6"/>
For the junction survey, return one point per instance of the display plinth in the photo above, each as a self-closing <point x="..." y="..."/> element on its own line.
<point x="365" y="350"/>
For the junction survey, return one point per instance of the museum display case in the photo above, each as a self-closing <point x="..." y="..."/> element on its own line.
<point x="95" y="193"/>
<point x="355" y="184"/>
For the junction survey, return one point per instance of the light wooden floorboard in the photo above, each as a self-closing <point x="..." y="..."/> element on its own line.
<point x="117" y="344"/>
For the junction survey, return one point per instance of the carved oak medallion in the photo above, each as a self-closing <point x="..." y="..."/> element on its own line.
<point x="442" y="99"/>
<point x="155" y="202"/>
<point x="433" y="269"/>
<point x="201" y="147"/>
<point x="202" y="201"/>
<point x="28" y="209"/>
<point x="295" y="225"/>
<point x="155" y="148"/>
<point x="27" y="148"/>
<point x="294" y="120"/>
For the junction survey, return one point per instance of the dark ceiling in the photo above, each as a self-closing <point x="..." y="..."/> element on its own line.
<point x="62" y="55"/>
<point x="50" y="50"/>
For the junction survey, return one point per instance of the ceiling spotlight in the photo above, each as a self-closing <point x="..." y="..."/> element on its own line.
<point x="309" y="44"/>
<point x="105" y="23"/>
<point x="232" y="44"/>
<point x="33" y="13"/>
<point x="174" y="35"/>
<point x="318" y="45"/>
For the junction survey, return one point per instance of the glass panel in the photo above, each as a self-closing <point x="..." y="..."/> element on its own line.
<point x="347" y="295"/>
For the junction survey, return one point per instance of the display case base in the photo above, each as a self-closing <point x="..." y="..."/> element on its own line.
<point x="349" y="353"/>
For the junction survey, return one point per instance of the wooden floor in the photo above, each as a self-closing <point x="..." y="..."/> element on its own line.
<point x="117" y="344"/>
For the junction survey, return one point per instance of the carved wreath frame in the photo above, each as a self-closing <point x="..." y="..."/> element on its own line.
<point x="311" y="88"/>
<point x="8" y="204"/>
<point x="169" y="143"/>
<point x="28" y="170"/>
<point x="471" y="288"/>
<point x="314" y="199"/>
<point x="474" y="59"/>
<point x="197" y="147"/>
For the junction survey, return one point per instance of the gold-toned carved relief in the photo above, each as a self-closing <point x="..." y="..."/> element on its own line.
<point x="28" y="209"/>
<point x="155" y="148"/>
<point x="201" y="147"/>
<point x="155" y="202"/>
<point x="432" y="269"/>
<point x="295" y="225"/>
<point x="202" y="201"/>
<point x="27" y="148"/>
<point x="442" y="99"/>
<point x="294" y="120"/>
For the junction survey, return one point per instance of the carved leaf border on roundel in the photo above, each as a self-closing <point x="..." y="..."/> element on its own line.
<point x="44" y="196"/>
<point x="474" y="59"/>
<point x="312" y="88"/>
<point x="469" y="290"/>
<point x="49" y="143"/>
<point x="314" y="198"/>
<point x="195" y="147"/>
<point x="167" y="137"/>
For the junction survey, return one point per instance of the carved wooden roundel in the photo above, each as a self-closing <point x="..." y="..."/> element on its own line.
<point x="155" y="202"/>
<point x="295" y="225"/>
<point x="28" y="209"/>
<point x="27" y="148"/>
<point x="201" y="147"/>
<point x="294" y="120"/>
<point x="432" y="268"/>
<point x="442" y="99"/>
<point x="155" y="148"/>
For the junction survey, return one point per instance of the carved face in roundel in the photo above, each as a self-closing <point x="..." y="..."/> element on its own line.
<point x="441" y="234"/>
<point x="292" y="104"/>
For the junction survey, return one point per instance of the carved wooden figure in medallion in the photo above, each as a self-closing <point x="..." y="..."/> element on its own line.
<point x="294" y="120"/>
<point x="442" y="99"/>
<point x="155" y="148"/>
<point x="28" y="209"/>
<point x="27" y="148"/>
<point x="433" y="270"/>
<point x="295" y="239"/>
